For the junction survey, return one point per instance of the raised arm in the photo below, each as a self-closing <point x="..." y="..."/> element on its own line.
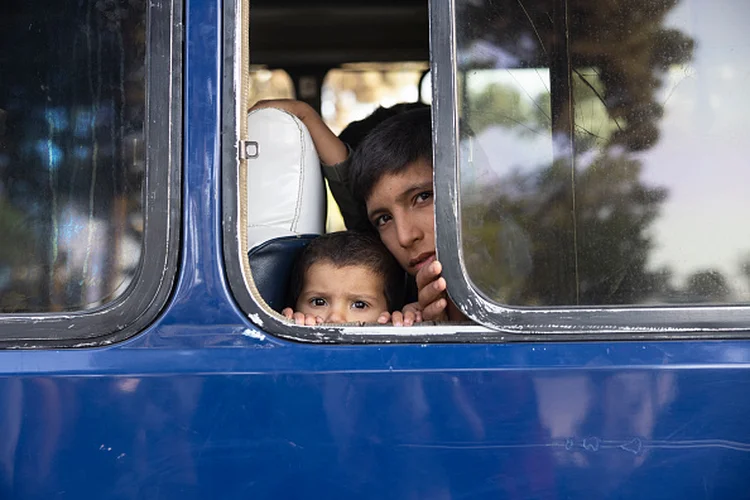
<point x="330" y="148"/>
<point x="334" y="156"/>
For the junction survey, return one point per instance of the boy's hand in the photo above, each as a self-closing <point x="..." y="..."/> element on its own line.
<point x="407" y="317"/>
<point x="301" y="319"/>
<point x="300" y="109"/>
<point x="330" y="148"/>
<point x="433" y="299"/>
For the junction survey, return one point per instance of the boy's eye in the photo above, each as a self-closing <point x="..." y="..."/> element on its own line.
<point x="382" y="219"/>
<point x="424" y="196"/>
<point x="359" y="304"/>
<point x="318" y="302"/>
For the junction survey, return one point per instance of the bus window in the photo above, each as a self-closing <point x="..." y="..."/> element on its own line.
<point x="601" y="169"/>
<point x="359" y="69"/>
<point x="74" y="164"/>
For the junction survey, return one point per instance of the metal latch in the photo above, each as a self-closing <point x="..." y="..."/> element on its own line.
<point x="248" y="149"/>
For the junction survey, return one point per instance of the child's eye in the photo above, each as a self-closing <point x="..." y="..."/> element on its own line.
<point x="382" y="219"/>
<point x="359" y="304"/>
<point x="318" y="302"/>
<point x="424" y="196"/>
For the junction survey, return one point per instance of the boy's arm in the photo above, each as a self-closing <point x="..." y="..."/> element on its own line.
<point x="334" y="156"/>
<point x="330" y="148"/>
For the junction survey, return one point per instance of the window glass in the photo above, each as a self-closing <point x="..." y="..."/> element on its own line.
<point x="72" y="156"/>
<point x="608" y="167"/>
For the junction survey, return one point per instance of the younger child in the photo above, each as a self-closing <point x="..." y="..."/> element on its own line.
<point x="345" y="277"/>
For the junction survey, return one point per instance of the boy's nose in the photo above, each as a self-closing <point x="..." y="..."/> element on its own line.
<point x="407" y="233"/>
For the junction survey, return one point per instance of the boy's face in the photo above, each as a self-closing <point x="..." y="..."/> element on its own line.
<point x="346" y="294"/>
<point x="401" y="209"/>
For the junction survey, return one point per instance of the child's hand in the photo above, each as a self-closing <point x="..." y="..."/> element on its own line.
<point x="330" y="148"/>
<point x="433" y="299"/>
<point x="407" y="317"/>
<point x="301" y="319"/>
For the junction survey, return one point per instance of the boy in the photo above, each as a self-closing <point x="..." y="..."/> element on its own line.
<point x="391" y="175"/>
<point x="344" y="277"/>
<point x="391" y="171"/>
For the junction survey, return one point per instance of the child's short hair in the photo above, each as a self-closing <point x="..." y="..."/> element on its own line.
<point x="351" y="248"/>
<point x="355" y="132"/>
<point x="395" y="143"/>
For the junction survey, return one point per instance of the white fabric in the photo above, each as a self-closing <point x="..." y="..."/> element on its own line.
<point x="285" y="190"/>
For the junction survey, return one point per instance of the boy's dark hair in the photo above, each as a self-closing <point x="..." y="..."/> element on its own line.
<point x="351" y="248"/>
<point x="393" y="144"/>
<point x="355" y="132"/>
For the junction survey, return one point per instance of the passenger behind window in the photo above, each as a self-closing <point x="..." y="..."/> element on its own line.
<point x="354" y="211"/>
<point x="391" y="171"/>
<point x="391" y="175"/>
<point x="345" y="277"/>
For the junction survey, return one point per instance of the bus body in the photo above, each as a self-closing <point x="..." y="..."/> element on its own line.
<point x="205" y="401"/>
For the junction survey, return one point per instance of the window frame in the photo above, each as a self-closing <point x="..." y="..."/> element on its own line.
<point x="495" y="323"/>
<point x="152" y="284"/>
<point x="235" y="45"/>
<point x="564" y="322"/>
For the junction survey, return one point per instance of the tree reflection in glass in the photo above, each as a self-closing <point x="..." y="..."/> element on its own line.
<point x="590" y="165"/>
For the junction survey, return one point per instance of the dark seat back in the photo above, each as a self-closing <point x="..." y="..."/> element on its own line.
<point x="271" y="265"/>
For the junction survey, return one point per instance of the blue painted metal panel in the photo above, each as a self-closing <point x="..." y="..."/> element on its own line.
<point x="204" y="405"/>
<point x="290" y="421"/>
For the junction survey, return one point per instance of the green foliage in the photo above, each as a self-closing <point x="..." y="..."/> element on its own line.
<point x="575" y="231"/>
<point x="623" y="42"/>
<point x="522" y="246"/>
<point x="708" y="285"/>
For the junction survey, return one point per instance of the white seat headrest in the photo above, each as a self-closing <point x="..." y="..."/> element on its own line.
<point x="285" y="191"/>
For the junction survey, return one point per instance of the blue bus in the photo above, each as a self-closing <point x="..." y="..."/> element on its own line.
<point x="590" y="197"/>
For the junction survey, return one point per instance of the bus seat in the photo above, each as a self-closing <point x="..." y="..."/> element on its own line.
<point x="271" y="263"/>
<point x="286" y="195"/>
<point x="286" y="199"/>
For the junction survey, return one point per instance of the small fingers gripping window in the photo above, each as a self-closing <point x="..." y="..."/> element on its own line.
<point x="589" y="169"/>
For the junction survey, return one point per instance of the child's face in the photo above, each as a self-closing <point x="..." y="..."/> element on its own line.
<point x="401" y="208"/>
<point x="347" y="294"/>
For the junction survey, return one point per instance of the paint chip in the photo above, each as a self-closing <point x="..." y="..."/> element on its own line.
<point x="253" y="334"/>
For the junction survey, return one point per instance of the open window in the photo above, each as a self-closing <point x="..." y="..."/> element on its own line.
<point x="88" y="208"/>
<point x="342" y="47"/>
<point x="590" y="174"/>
